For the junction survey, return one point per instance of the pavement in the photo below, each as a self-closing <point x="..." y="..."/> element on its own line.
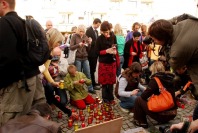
<point x="128" y="126"/>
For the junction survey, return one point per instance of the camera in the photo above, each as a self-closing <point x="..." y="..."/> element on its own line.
<point x="147" y="40"/>
<point x="166" y="129"/>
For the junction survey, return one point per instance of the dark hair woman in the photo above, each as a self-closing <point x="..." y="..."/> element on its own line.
<point x="107" y="53"/>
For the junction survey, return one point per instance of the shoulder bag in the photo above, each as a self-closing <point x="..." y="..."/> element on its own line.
<point x="161" y="102"/>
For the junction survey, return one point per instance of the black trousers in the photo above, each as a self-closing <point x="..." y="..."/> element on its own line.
<point x="107" y="93"/>
<point x="49" y="93"/>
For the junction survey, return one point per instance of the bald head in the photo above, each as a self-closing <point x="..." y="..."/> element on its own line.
<point x="56" y="51"/>
<point x="49" y="24"/>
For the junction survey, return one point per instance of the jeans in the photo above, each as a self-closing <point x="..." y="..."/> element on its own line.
<point x="128" y="102"/>
<point x="83" y="66"/>
<point x="121" y="64"/>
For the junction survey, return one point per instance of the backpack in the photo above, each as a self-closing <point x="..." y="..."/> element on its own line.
<point x="36" y="50"/>
<point x="37" y="45"/>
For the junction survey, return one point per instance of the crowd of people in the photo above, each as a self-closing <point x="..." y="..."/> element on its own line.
<point x="29" y="92"/>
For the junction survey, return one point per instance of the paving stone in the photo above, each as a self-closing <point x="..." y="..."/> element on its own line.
<point x="127" y="124"/>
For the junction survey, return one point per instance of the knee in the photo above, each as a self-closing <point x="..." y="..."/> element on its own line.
<point x="81" y="106"/>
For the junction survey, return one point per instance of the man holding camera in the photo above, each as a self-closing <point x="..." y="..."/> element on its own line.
<point x="178" y="38"/>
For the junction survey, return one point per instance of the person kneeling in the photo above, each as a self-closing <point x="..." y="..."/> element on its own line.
<point x="141" y="107"/>
<point x="76" y="83"/>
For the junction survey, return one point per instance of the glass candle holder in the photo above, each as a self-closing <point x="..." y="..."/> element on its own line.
<point x="83" y="125"/>
<point x="75" y="126"/>
<point x="95" y="114"/>
<point x="81" y="112"/>
<point x="88" y="108"/>
<point x="70" y="123"/>
<point x="89" y="120"/>
<point x="82" y="117"/>
<point x="92" y="106"/>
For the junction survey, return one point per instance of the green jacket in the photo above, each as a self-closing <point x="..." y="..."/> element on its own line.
<point x="184" y="49"/>
<point x="79" y="91"/>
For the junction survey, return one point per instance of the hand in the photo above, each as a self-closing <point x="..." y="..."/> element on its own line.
<point x="81" y="44"/>
<point x="176" y="126"/>
<point x="55" y="84"/>
<point x="133" y="53"/>
<point x="193" y="127"/>
<point x="110" y="51"/>
<point x="76" y="83"/>
<point x="114" y="49"/>
<point x="74" y="115"/>
<point x="89" y="40"/>
<point x="134" y="92"/>
<point x="82" y="81"/>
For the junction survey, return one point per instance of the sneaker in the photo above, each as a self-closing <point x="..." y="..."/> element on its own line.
<point x="140" y="124"/>
<point x="92" y="91"/>
<point x="97" y="88"/>
<point x="123" y="109"/>
<point x="131" y="114"/>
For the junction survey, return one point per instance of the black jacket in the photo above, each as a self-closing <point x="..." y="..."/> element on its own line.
<point x="166" y="80"/>
<point x="127" y="54"/>
<point x="91" y="33"/>
<point x="12" y="40"/>
<point x="104" y="43"/>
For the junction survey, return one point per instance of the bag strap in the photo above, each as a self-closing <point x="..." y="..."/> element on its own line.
<point x="161" y="87"/>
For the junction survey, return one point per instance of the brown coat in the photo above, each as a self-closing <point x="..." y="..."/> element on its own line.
<point x="82" y="52"/>
<point x="30" y="123"/>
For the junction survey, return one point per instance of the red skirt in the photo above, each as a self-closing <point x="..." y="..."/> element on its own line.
<point x="107" y="73"/>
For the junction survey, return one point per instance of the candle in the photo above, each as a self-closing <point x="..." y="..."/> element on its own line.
<point x="88" y="108"/>
<point x="92" y="106"/>
<point x="95" y="114"/>
<point x="97" y="121"/>
<point x="82" y="117"/>
<point x="73" y="110"/>
<point x="80" y="112"/>
<point x="89" y="120"/>
<point x="70" y="123"/>
<point x="91" y="116"/>
<point x="82" y="124"/>
<point x="95" y="105"/>
<point x="100" y="116"/>
<point x="61" y="84"/>
<point x="75" y="126"/>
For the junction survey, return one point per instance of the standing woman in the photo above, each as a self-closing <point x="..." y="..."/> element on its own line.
<point x="132" y="50"/>
<point x="106" y="50"/>
<point x="120" y="45"/>
<point x="82" y="44"/>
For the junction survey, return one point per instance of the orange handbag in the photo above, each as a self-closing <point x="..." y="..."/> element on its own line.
<point x="161" y="102"/>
